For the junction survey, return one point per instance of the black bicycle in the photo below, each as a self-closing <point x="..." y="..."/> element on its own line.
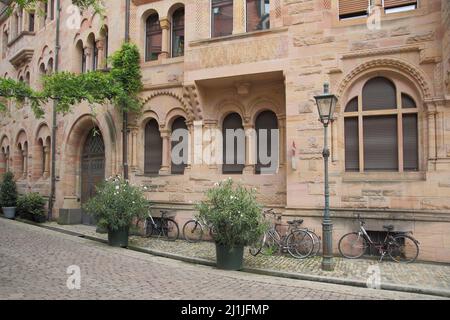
<point x="165" y="227"/>
<point x="400" y="246"/>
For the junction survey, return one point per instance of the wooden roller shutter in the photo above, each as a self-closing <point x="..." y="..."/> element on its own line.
<point x="266" y="121"/>
<point x="379" y="94"/>
<point x="351" y="144"/>
<point x="233" y="122"/>
<point x="153" y="148"/>
<point x="380" y="143"/>
<point x="348" y="8"/>
<point x="410" y="143"/>
<point x="398" y="3"/>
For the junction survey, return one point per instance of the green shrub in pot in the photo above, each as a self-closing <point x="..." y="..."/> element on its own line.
<point x="8" y="195"/>
<point x="233" y="213"/>
<point x="32" y="206"/>
<point x="115" y="206"/>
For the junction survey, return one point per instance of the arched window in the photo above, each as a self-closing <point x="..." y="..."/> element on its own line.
<point x="178" y="33"/>
<point x="233" y="145"/>
<point x="31" y="18"/>
<point x="258" y="15"/>
<point x="381" y="129"/>
<point x="92" y="45"/>
<point x="221" y="18"/>
<point x="153" y="148"/>
<point x="180" y="146"/>
<point x="50" y="66"/>
<point x="153" y="36"/>
<point x="52" y="9"/>
<point x="267" y="139"/>
<point x="27" y="78"/>
<point x="105" y="35"/>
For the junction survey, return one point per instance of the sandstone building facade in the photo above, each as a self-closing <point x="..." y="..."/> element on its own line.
<point x="217" y="64"/>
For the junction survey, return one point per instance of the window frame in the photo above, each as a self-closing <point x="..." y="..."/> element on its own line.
<point x="246" y="16"/>
<point x="147" y="34"/>
<point x="211" y="21"/>
<point x="399" y="111"/>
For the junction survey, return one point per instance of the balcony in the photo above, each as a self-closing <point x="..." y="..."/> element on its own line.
<point x="21" y="49"/>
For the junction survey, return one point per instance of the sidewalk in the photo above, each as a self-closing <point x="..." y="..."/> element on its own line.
<point x="424" y="278"/>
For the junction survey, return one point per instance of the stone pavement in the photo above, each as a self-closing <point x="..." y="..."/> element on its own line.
<point x="34" y="262"/>
<point x="422" y="275"/>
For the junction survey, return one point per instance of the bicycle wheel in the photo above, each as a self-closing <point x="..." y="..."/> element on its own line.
<point x="271" y="243"/>
<point x="403" y="249"/>
<point x="352" y="245"/>
<point x="170" y="229"/>
<point x="149" y="228"/>
<point x="256" y="248"/>
<point x="300" y="244"/>
<point x="317" y="243"/>
<point x="192" y="231"/>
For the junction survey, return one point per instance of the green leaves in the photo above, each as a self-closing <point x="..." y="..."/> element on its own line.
<point x="119" y="86"/>
<point x="117" y="204"/>
<point x="8" y="191"/>
<point x="233" y="213"/>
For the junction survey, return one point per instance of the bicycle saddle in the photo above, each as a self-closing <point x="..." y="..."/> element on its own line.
<point x="389" y="227"/>
<point x="300" y="221"/>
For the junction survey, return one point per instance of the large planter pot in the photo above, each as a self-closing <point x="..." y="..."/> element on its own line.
<point x="9" y="212"/>
<point x="118" y="238"/>
<point x="229" y="257"/>
<point x="39" y="219"/>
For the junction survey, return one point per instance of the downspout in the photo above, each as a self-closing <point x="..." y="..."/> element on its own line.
<point x="54" y="123"/>
<point x="125" y="114"/>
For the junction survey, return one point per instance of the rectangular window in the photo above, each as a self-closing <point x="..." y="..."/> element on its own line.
<point x="393" y="6"/>
<point x="31" y="23"/>
<point x="258" y="15"/>
<point x="380" y="143"/>
<point x="351" y="145"/>
<point x="410" y="143"/>
<point x="221" y="18"/>
<point x="353" y="8"/>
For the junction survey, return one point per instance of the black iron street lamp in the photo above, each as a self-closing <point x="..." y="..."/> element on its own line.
<point x="326" y="104"/>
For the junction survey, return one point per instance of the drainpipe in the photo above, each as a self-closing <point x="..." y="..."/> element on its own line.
<point x="54" y="123"/>
<point x="125" y="114"/>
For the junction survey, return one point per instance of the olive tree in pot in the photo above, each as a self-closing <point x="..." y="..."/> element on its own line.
<point x="116" y="205"/>
<point x="8" y="195"/>
<point x="236" y="220"/>
<point x="31" y="206"/>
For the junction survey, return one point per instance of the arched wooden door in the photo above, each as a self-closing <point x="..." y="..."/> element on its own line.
<point x="92" y="168"/>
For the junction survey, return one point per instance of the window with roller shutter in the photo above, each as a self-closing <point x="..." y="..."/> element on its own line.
<point x="381" y="132"/>
<point x="353" y="8"/>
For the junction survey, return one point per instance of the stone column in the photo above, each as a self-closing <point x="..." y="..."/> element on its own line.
<point x="190" y="127"/>
<point x="46" y="160"/>
<point x="165" y="167"/>
<point x="101" y="54"/>
<point x="250" y="149"/>
<point x="165" y="26"/>
<point x="239" y="25"/>
<point x="89" y="56"/>
<point x="283" y="147"/>
<point x="213" y="144"/>
<point x="133" y="149"/>
<point x="25" y="163"/>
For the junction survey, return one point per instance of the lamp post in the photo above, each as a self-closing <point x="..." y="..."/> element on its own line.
<point x="326" y="104"/>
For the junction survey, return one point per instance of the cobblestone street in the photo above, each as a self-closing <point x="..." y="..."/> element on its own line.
<point x="426" y="275"/>
<point x="34" y="262"/>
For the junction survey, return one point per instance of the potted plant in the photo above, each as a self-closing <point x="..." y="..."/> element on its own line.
<point x="8" y="195"/>
<point x="236" y="219"/>
<point x="116" y="205"/>
<point x="32" y="207"/>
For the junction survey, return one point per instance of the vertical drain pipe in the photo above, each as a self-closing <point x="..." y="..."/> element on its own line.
<point x="54" y="114"/>
<point x="125" y="114"/>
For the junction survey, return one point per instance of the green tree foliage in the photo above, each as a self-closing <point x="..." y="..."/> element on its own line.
<point x="119" y="86"/>
<point x="96" y="5"/>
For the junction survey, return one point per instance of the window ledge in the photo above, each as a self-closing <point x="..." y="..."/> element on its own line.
<point x="237" y="36"/>
<point x="164" y="61"/>
<point x="383" y="176"/>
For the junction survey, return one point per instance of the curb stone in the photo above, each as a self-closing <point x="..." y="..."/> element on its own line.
<point x="267" y="272"/>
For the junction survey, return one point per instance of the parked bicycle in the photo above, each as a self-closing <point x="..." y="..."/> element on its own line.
<point x="193" y="231"/>
<point x="164" y="227"/>
<point x="400" y="246"/>
<point x="298" y="242"/>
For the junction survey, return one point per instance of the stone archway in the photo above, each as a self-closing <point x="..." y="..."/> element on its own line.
<point x="92" y="168"/>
